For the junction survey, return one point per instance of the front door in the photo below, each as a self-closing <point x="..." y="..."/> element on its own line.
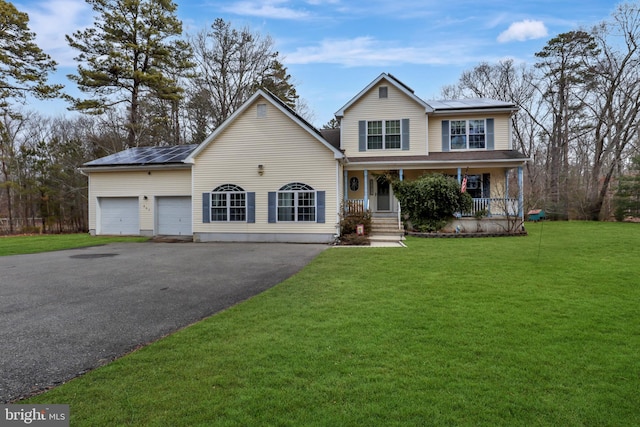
<point x="384" y="195"/>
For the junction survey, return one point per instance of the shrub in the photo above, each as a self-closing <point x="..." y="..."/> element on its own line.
<point x="431" y="201"/>
<point x="349" y="223"/>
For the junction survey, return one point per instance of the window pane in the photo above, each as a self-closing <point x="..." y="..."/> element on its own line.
<point x="458" y="127"/>
<point x="374" y="135"/>
<point x="374" y="128"/>
<point x="476" y="141"/>
<point x="458" y="142"/>
<point x="476" y="134"/>
<point x="306" y="206"/>
<point x="237" y="211"/>
<point x="286" y="209"/>
<point x="476" y="127"/>
<point x="392" y="127"/>
<point x="374" y="142"/>
<point x="392" y="141"/>
<point x="392" y="134"/>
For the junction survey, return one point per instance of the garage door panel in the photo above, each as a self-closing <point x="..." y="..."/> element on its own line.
<point x="119" y="215"/>
<point x="174" y="216"/>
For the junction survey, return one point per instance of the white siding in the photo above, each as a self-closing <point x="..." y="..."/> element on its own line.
<point x="396" y="106"/>
<point x="138" y="184"/>
<point x="287" y="152"/>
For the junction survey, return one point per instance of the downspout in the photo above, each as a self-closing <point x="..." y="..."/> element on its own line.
<point x="338" y="205"/>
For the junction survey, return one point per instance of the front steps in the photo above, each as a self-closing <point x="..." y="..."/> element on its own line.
<point x="385" y="230"/>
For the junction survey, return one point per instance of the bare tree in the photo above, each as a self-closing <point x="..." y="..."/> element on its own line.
<point x="232" y="64"/>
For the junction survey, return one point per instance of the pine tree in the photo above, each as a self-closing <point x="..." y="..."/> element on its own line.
<point x="131" y="50"/>
<point x="23" y="65"/>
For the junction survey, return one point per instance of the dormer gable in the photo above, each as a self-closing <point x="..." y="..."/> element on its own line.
<point x="382" y="82"/>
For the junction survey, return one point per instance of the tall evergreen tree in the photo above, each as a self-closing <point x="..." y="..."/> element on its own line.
<point x="23" y="65"/>
<point x="131" y="50"/>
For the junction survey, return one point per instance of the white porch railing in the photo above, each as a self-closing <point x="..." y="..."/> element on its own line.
<point x="493" y="207"/>
<point x="489" y="206"/>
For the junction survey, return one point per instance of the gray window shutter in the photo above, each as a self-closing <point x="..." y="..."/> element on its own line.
<point x="206" y="207"/>
<point x="273" y="209"/>
<point x="486" y="185"/>
<point x="490" y="135"/>
<point x="362" y="135"/>
<point x="445" y="135"/>
<point x="251" y="207"/>
<point x="320" y="206"/>
<point x="405" y="134"/>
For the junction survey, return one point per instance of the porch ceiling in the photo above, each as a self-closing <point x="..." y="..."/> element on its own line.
<point x="494" y="158"/>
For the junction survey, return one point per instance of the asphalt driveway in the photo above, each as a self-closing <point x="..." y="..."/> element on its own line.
<point x="64" y="313"/>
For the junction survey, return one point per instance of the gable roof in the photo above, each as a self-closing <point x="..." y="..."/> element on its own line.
<point x="142" y="156"/>
<point x="280" y="105"/>
<point x="392" y="80"/>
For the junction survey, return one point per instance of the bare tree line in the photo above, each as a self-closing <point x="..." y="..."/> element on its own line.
<point x="579" y="113"/>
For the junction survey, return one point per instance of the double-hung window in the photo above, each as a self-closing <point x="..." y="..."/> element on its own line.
<point x="383" y="134"/>
<point x="228" y="203"/>
<point x="467" y="134"/>
<point x="296" y="202"/>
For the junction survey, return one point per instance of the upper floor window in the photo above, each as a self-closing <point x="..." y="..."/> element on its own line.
<point x="467" y="134"/>
<point x="383" y="134"/>
<point x="228" y="203"/>
<point x="296" y="202"/>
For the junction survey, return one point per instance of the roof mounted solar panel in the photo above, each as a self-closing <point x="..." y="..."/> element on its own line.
<point x="146" y="156"/>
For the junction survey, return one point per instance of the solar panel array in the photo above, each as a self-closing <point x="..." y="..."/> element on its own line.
<point x="146" y="156"/>
<point x="461" y="104"/>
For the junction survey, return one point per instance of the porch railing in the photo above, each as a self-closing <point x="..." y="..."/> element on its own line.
<point x="493" y="207"/>
<point x="487" y="206"/>
<point x="354" y="206"/>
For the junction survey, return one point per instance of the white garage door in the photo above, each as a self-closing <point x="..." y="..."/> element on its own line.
<point x="119" y="215"/>
<point x="174" y="216"/>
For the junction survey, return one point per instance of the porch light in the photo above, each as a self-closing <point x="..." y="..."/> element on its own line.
<point x="260" y="170"/>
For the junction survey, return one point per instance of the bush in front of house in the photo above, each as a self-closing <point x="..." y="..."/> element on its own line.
<point x="431" y="201"/>
<point x="349" y="228"/>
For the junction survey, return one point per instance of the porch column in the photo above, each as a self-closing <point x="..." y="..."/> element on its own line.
<point x="345" y="196"/>
<point x="459" y="175"/>
<point x="520" y="193"/>
<point x="401" y="173"/>
<point x="366" y="188"/>
<point x="506" y="186"/>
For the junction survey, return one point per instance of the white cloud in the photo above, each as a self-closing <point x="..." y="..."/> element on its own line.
<point x="368" y="51"/>
<point x="52" y="20"/>
<point x="523" y="30"/>
<point x="274" y="9"/>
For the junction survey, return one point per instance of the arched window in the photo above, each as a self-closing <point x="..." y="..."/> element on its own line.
<point x="228" y="203"/>
<point x="297" y="202"/>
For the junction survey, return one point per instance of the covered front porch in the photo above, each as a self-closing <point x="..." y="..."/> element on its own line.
<point x="494" y="192"/>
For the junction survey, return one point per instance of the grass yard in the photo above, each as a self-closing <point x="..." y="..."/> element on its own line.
<point x="16" y="245"/>
<point x="542" y="330"/>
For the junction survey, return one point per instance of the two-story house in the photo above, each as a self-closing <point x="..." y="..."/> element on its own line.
<point x="266" y="174"/>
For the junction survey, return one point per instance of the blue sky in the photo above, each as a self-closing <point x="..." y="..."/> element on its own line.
<point x="334" y="48"/>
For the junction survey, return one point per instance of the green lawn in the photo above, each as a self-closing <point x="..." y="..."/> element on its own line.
<point x="542" y="330"/>
<point x="16" y="245"/>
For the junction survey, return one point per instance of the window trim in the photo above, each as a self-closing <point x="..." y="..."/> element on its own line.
<point x="297" y="189"/>
<point x="467" y="135"/>
<point x="384" y="135"/>
<point x="228" y="190"/>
